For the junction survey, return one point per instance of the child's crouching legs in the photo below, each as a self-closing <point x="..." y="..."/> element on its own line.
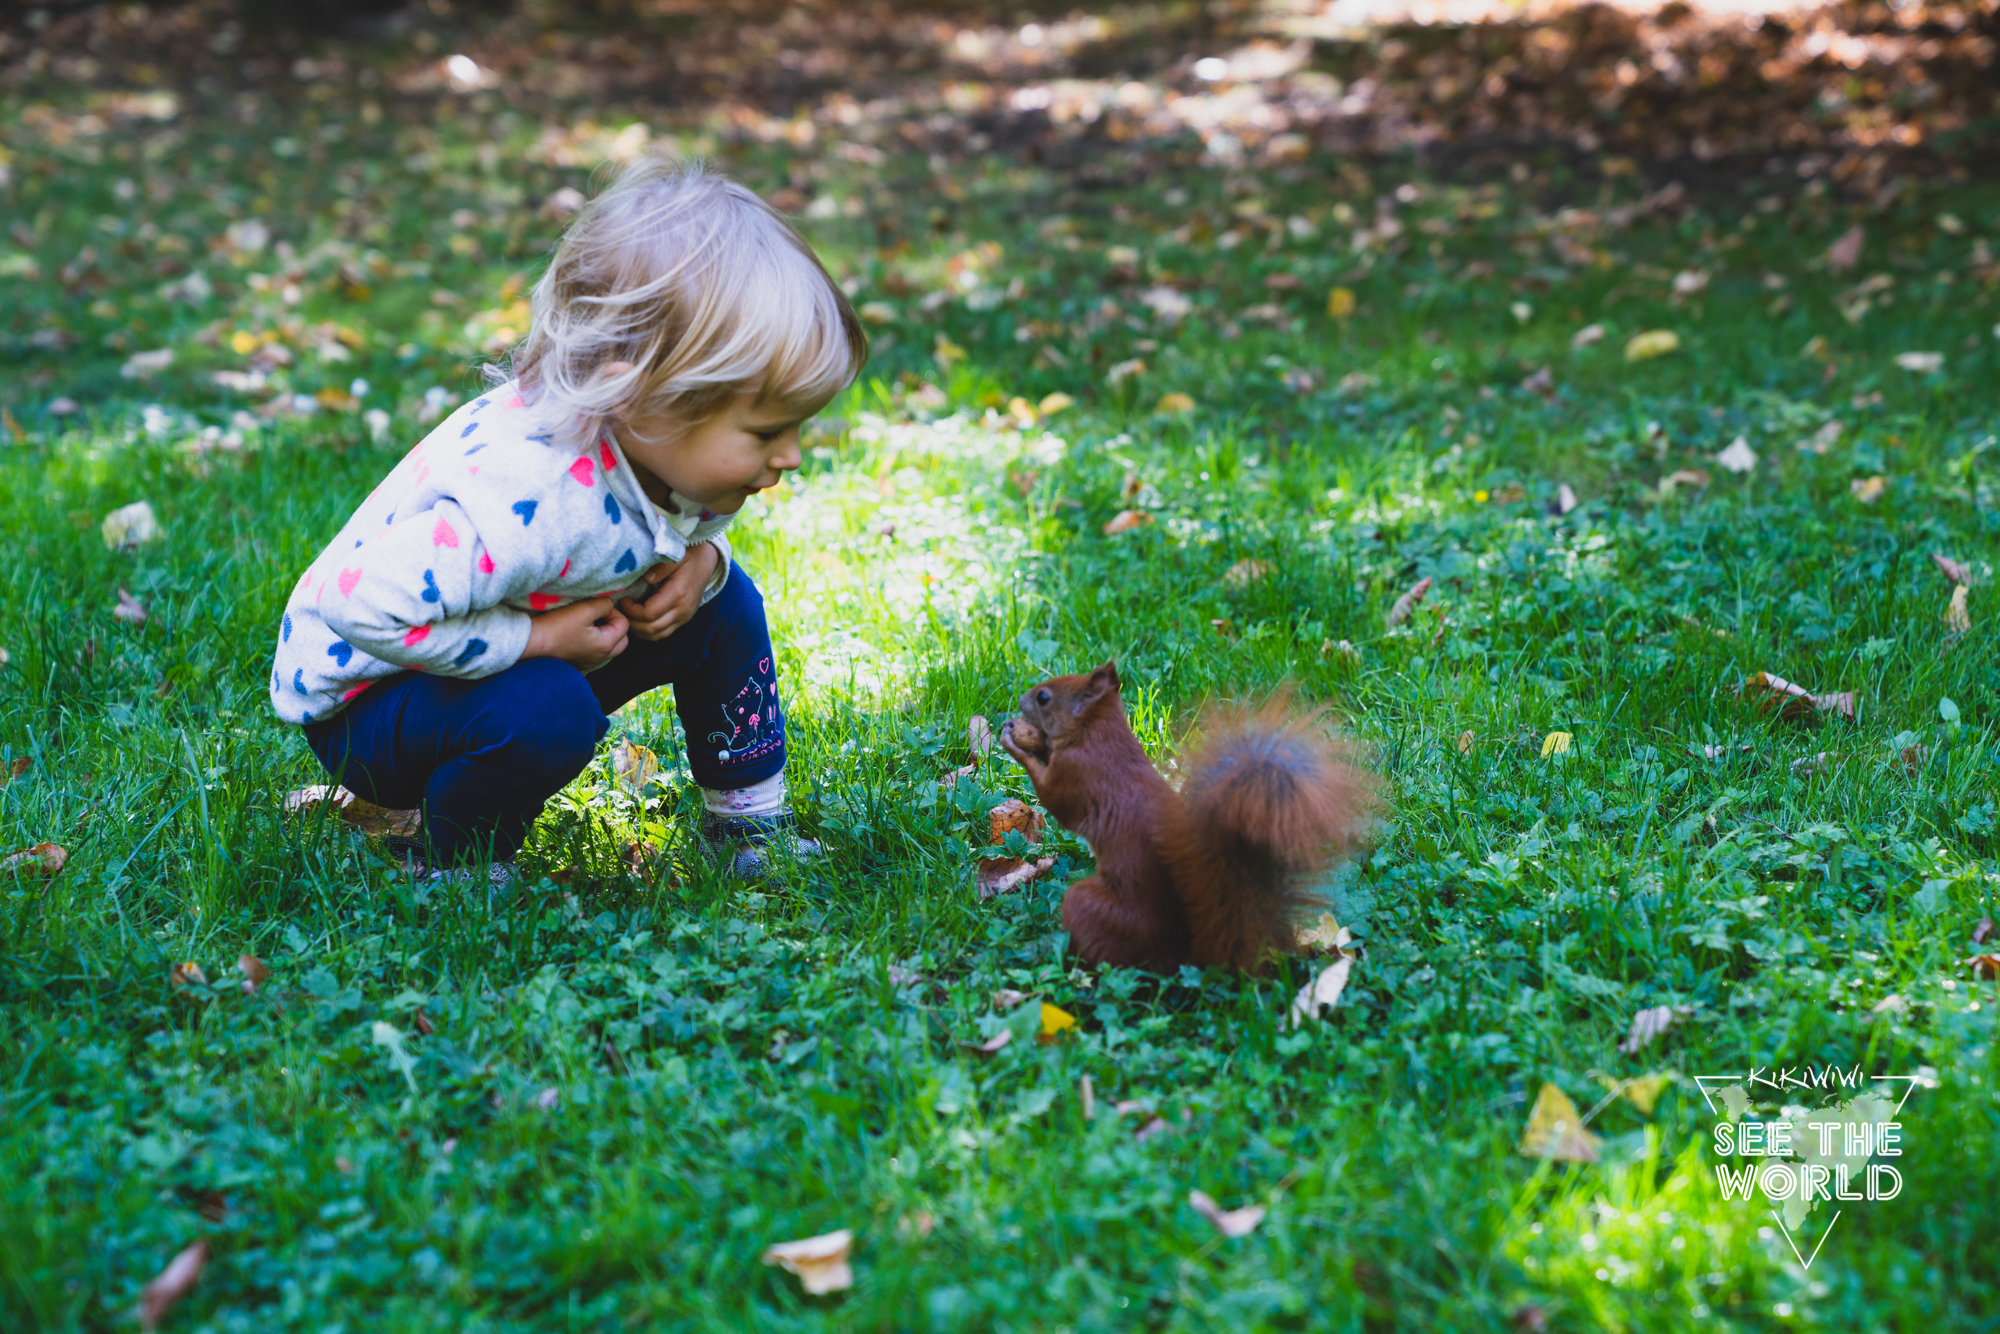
<point x="735" y="725"/>
<point x="513" y="741"/>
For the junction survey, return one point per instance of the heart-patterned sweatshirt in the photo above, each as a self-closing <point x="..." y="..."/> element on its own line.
<point x="484" y="522"/>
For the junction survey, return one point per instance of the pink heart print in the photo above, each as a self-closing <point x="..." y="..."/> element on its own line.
<point x="444" y="535"/>
<point x="348" y="579"/>
<point x="416" y="636"/>
<point x="584" y="471"/>
<point x="485" y="563"/>
<point x="543" y="601"/>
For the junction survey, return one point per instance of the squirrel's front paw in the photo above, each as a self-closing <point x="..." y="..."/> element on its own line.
<point x="1022" y="739"/>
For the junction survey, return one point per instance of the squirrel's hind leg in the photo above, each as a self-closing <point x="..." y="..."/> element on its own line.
<point x="1105" y="929"/>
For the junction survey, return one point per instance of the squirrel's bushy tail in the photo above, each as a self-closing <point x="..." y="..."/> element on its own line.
<point x="1270" y="801"/>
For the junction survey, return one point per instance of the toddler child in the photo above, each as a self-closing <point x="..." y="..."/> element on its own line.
<point x="555" y="547"/>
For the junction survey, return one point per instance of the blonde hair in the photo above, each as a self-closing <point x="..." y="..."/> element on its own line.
<point x="703" y="287"/>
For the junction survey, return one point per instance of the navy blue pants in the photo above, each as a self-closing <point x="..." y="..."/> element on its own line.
<point x="480" y="758"/>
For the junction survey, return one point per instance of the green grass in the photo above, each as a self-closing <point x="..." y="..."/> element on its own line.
<point x="735" y="1068"/>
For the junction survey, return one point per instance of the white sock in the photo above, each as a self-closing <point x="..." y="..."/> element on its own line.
<point x="759" y="799"/>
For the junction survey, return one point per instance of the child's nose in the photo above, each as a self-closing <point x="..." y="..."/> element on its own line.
<point x="790" y="456"/>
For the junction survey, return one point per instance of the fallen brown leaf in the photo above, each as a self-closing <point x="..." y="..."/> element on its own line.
<point x="1466" y="741"/>
<point x="366" y="816"/>
<point x="129" y="609"/>
<point x="1245" y="572"/>
<point x="20" y="765"/>
<point x="1648" y="1025"/>
<point x="1793" y="701"/>
<point x="1983" y="932"/>
<point x="1985" y="965"/>
<point x="992" y="1044"/>
<point x="1229" y="1222"/>
<point x="979" y="735"/>
<point x="1845" y="253"/>
<point x="1408" y="602"/>
<point x="171" y="1284"/>
<point x="1694" y="477"/>
<point x="1951" y="569"/>
<point x="1007" y="998"/>
<point x="821" y="1263"/>
<point x="1011" y="816"/>
<point x="185" y="974"/>
<point x="1125" y="521"/>
<point x="1868" y="490"/>
<point x="1004" y="875"/>
<point x="1086" y="1093"/>
<point x="44" y="861"/>
<point x="255" y="973"/>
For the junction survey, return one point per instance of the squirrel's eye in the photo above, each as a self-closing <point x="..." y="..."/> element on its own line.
<point x="1043" y="697"/>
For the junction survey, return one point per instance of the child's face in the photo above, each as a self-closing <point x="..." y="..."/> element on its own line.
<point x="722" y="462"/>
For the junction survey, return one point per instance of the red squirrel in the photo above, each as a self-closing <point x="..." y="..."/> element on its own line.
<point x="1218" y="872"/>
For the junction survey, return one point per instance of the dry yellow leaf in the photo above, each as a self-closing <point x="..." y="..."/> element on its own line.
<point x="1054" y="1021"/>
<point x="1340" y="303"/>
<point x="634" y="767"/>
<point x="1556" y="743"/>
<point x="1325" y="936"/>
<point x="821" y="1262"/>
<point x="1868" y="490"/>
<point x="1466" y="741"/>
<point x="1644" y="1092"/>
<point x="184" y="974"/>
<point x="1555" y="1130"/>
<point x="1956" y="616"/>
<point x="1323" y="992"/>
<point x="1652" y="343"/>
<point x="1051" y="404"/>
<point x="130" y="527"/>
<point x="1173" y="403"/>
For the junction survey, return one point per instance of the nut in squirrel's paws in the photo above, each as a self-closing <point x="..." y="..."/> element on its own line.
<point x="1026" y="736"/>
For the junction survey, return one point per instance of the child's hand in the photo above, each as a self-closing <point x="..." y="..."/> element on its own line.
<point x="676" y="598"/>
<point x="583" y="634"/>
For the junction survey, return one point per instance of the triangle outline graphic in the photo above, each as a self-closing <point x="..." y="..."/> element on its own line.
<point x="1804" y="1262"/>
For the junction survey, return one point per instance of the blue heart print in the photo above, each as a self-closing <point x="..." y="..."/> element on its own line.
<point x="287" y="636"/>
<point x="473" y="648"/>
<point x="431" y="593"/>
<point x="626" y="562"/>
<point x="526" y="509"/>
<point x="299" y="680"/>
<point x="470" y="428"/>
<point x="611" y="509"/>
<point x="340" y="651"/>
